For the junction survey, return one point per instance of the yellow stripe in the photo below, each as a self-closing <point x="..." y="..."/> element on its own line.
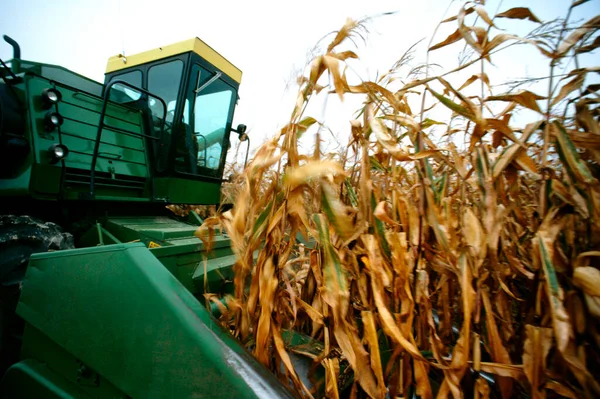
<point x="196" y="45"/>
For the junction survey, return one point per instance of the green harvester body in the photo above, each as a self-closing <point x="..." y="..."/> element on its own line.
<point x="123" y="315"/>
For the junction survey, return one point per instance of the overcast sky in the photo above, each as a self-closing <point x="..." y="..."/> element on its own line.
<point x="268" y="40"/>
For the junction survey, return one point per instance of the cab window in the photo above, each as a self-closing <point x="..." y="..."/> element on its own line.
<point x="122" y="94"/>
<point x="163" y="81"/>
<point x="211" y="113"/>
<point x="207" y="112"/>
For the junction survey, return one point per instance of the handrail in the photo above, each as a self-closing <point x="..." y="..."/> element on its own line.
<point x="101" y="124"/>
<point x="203" y="138"/>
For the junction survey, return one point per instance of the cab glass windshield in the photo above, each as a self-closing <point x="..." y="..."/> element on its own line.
<point x="205" y="124"/>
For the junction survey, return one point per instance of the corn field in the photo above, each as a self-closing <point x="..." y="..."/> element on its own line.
<point x="455" y="258"/>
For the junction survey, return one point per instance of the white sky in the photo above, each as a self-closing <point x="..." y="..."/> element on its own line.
<point x="267" y="40"/>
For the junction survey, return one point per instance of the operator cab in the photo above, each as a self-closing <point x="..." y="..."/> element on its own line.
<point x="199" y="88"/>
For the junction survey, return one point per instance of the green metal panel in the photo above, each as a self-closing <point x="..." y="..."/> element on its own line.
<point x="16" y="186"/>
<point x="33" y="379"/>
<point x="185" y="264"/>
<point x="181" y="253"/>
<point x="49" y="366"/>
<point x="159" y="229"/>
<point x="45" y="180"/>
<point x="216" y="273"/>
<point x="120" y="312"/>
<point x="121" y="155"/>
<point x="122" y="168"/>
<point x="15" y="183"/>
<point x="183" y="191"/>
<point x="60" y="74"/>
<point x="81" y="115"/>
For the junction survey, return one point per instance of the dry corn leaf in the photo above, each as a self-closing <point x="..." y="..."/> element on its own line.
<point x="590" y="47"/>
<point x="313" y="313"/>
<point x="519" y="13"/>
<point x="354" y="291"/>
<point x="387" y="321"/>
<point x="527" y="164"/>
<point x="311" y="171"/>
<point x="334" y="276"/>
<point x="285" y="358"/>
<point x="496" y="41"/>
<point x="537" y="344"/>
<point x="544" y="245"/>
<point x="568" y="88"/>
<point x="484" y="15"/>
<point x="339" y="81"/>
<point x="569" y="155"/>
<point x="473" y="233"/>
<point x="343" y="34"/>
<point x="503" y="370"/>
<point x="459" y="109"/>
<point x="388" y="142"/>
<point x="404" y="120"/>
<point x="267" y="285"/>
<point x="593" y="304"/>
<point x="466" y="31"/>
<point x="460" y="354"/>
<point x="453" y="38"/>
<point x="559" y="388"/>
<point x="373" y="88"/>
<point x="206" y="231"/>
<point x="483" y="77"/>
<point x="578" y="3"/>
<point x="422" y="380"/>
<point x="499" y="352"/>
<point x="524" y="97"/>
<point x="588" y="279"/>
<point x="372" y="340"/>
<point x="576" y="35"/>
<point x="332" y="371"/>
<point x="468" y="11"/>
<point x="508" y="155"/>
<point x="584" y="258"/>
<point x="381" y="213"/>
<point x="336" y="212"/>
<point x="473" y="108"/>
<point x="584" y="139"/>
<point x="502" y="127"/>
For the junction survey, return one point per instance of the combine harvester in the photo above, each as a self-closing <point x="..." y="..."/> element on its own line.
<point x="109" y="304"/>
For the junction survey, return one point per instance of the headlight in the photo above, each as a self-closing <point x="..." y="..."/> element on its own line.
<point x="58" y="152"/>
<point x="50" y="97"/>
<point x="52" y="120"/>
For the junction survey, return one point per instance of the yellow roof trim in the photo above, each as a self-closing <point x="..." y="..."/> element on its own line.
<point x="196" y="45"/>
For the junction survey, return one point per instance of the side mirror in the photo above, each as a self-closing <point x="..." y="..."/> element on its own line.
<point x="241" y="131"/>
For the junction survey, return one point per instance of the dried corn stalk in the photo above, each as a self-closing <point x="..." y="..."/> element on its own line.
<point x="421" y="267"/>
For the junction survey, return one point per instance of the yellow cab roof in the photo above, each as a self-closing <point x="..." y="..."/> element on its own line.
<point x="196" y="45"/>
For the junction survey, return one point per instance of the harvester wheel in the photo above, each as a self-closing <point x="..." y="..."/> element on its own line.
<point x="20" y="236"/>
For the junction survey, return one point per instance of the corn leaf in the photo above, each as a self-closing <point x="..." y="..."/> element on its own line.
<point x="453" y="38"/>
<point x="519" y="13"/>
<point x="525" y="98"/>
<point x="569" y="155"/>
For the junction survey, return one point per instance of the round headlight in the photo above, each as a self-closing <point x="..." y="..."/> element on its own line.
<point x="52" y="120"/>
<point x="58" y="152"/>
<point x="50" y="97"/>
<point x="53" y="97"/>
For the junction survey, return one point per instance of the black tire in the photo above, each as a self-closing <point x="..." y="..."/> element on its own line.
<point x="20" y="237"/>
